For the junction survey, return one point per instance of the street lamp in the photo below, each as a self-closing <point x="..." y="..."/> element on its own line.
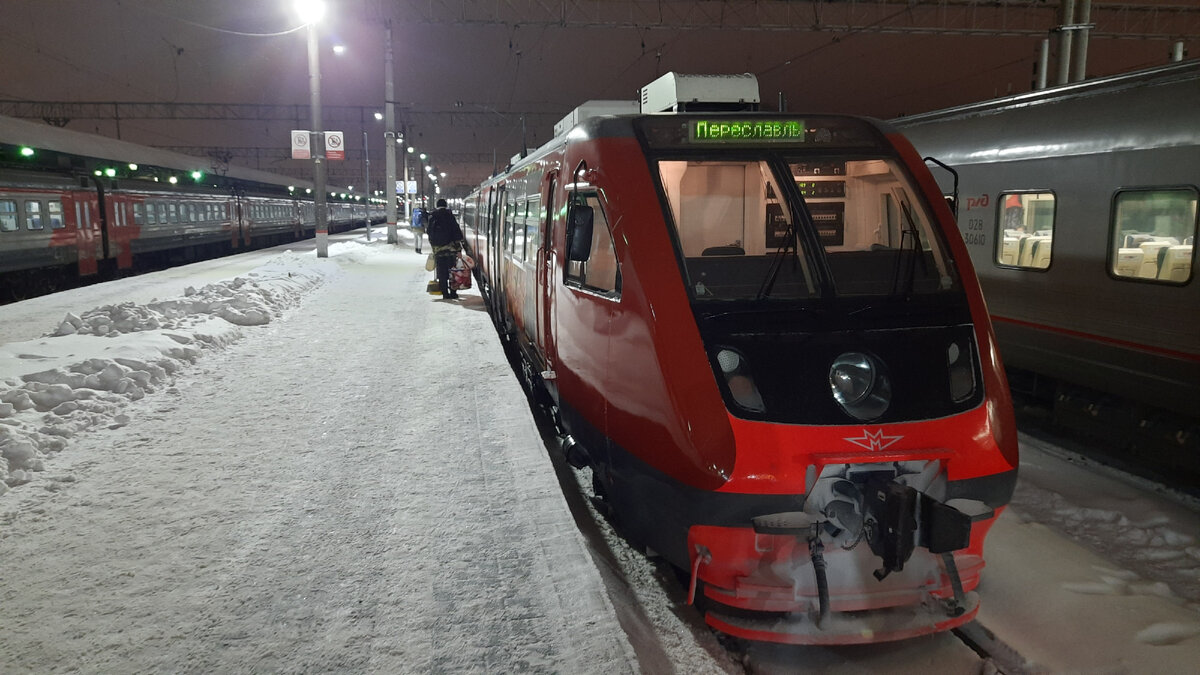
<point x="310" y="12"/>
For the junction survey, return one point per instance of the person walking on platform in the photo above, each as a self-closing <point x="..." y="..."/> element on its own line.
<point x="418" y="225"/>
<point x="446" y="239"/>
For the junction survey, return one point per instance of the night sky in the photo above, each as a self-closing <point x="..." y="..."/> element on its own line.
<point x="462" y="87"/>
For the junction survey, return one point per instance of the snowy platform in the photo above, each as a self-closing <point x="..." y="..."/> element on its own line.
<point x="313" y="468"/>
<point x="274" y="463"/>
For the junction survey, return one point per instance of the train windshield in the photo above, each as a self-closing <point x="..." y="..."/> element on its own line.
<point x="796" y="227"/>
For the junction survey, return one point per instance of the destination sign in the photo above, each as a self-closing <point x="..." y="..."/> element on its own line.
<point x="746" y="131"/>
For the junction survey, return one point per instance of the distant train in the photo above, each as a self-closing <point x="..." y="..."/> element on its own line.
<point x="763" y="335"/>
<point x="1079" y="209"/>
<point x="74" y="205"/>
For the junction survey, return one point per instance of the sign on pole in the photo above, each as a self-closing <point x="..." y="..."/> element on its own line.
<point x="335" y="145"/>
<point x="300" y="149"/>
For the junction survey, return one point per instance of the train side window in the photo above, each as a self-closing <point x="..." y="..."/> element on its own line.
<point x="55" y="212"/>
<point x="510" y="224"/>
<point x="1153" y="234"/>
<point x="161" y="209"/>
<point x="139" y="213"/>
<point x="1025" y="229"/>
<point x="520" y="227"/>
<point x="33" y="215"/>
<point x="600" y="271"/>
<point x="533" y="224"/>
<point x="8" y="215"/>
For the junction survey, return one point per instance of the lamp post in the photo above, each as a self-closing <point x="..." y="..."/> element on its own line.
<point x="389" y="137"/>
<point x="367" y="171"/>
<point x="310" y="12"/>
<point x="407" y="198"/>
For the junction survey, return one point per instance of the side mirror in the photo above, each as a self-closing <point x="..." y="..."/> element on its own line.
<point x="581" y="233"/>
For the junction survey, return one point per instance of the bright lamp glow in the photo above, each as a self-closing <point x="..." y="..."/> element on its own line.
<point x="310" y="11"/>
<point x="26" y="151"/>
<point x="378" y="115"/>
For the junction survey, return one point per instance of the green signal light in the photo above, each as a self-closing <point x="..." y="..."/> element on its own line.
<point x="110" y="172"/>
<point x="26" y="151"/>
<point x="197" y="176"/>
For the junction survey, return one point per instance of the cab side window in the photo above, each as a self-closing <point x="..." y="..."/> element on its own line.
<point x="1153" y="235"/>
<point x="599" y="272"/>
<point x="1026" y="229"/>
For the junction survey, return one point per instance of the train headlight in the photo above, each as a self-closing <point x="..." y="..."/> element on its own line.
<point x="962" y="372"/>
<point x="738" y="379"/>
<point x="860" y="385"/>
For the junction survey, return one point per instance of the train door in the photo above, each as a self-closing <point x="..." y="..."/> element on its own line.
<point x="496" y="246"/>
<point x="75" y="208"/>
<point x="235" y="220"/>
<point x="544" y="291"/>
<point x="118" y="225"/>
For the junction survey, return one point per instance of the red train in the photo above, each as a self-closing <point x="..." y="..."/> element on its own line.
<point x="73" y="205"/>
<point x="763" y="334"/>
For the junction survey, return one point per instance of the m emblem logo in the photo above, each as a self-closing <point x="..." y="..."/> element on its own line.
<point x="874" y="440"/>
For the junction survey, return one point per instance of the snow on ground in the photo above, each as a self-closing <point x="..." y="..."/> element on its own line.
<point x="311" y="465"/>
<point x="287" y="471"/>
<point x="83" y="372"/>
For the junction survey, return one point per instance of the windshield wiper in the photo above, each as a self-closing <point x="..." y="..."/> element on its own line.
<point x="910" y="231"/>
<point x="789" y="242"/>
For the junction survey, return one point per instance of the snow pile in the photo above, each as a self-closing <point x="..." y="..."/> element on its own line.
<point x="82" y="375"/>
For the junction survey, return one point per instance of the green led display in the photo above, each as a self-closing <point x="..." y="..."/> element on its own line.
<point x="743" y="131"/>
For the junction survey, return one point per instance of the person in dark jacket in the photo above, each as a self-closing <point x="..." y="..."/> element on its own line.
<point x="446" y="240"/>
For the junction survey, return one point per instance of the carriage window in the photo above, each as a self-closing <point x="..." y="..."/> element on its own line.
<point x="520" y="227"/>
<point x="8" y="215"/>
<point x="1025" y="229"/>
<point x="600" y="271"/>
<point x="533" y="223"/>
<point x="160" y="209"/>
<point x="139" y="214"/>
<point x="54" y="210"/>
<point x="1153" y="235"/>
<point x="510" y="214"/>
<point x="33" y="215"/>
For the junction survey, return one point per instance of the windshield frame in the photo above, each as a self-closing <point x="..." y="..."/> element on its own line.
<point x="805" y="245"/>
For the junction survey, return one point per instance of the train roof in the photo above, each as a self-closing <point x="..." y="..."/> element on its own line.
<point x="1153" y="108"/>
<point x="40" y="136"/>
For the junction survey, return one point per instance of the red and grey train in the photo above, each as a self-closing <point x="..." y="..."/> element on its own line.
<point x="73" y="205"/>
<point x="764" y="336"/>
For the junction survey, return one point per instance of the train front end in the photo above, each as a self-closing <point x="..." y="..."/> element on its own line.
<point x="873" y="436"/>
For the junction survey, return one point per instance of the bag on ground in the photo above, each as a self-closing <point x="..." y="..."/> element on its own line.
<point x="460" y="275"/>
